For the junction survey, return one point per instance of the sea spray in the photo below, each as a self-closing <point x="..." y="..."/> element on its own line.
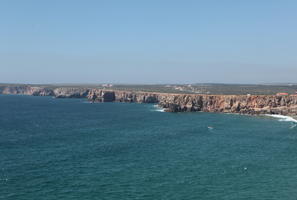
<point x="158" y="108"/>
<point x="283" y="118"/>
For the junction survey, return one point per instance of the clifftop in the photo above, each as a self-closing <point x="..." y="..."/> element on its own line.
<point x="211" y="89"/>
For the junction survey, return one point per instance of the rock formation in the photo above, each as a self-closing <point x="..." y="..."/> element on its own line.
<point x="243" y="104"/>
<point x="97" y="95"/>
<point x="67" y="92"/>
<point x="27" y="90"/>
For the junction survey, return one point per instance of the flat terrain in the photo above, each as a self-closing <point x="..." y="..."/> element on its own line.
<point x="219" y="89"/>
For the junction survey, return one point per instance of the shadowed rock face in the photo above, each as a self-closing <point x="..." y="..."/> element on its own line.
<point x="101" y="96"/>
<point x="97" y="95"/>
<point x="27" y="90"/>
<point x="108" y="96"/>
<point x="243" y="104"/>
<point x="70" y="92"/>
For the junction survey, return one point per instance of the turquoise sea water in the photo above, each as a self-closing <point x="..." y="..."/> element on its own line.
<point x="71" y="149"/>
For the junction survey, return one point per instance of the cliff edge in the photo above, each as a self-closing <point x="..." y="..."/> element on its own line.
<point x="243" y="104"/>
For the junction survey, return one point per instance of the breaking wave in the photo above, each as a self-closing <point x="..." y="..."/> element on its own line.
<point x="283" y="118"/>
<point x="158" y="109"/>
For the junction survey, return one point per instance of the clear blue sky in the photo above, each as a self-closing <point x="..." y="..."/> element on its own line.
<point x="148" y="41"/>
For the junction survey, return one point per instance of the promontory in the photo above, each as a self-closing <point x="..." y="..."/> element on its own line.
<point x="282" y="103"/>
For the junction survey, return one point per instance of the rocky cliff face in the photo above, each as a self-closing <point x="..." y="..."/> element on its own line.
<point x="101" y="96"/>
<point x="27" y="90"/>
<point x="243" y="104"/>
<point x="64" y="92"/>
<point x="70" y="92"/>
<point x="96" y="95"/>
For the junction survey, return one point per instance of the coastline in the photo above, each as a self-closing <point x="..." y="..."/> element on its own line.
<point x="171" y="102"/>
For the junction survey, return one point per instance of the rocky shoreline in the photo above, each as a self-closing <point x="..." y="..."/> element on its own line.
<point x="242" y="104"/>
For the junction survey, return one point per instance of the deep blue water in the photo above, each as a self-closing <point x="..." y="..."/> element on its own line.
<point x="71" y="149"/>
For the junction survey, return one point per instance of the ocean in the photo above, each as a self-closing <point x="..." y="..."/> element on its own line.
<point x="71" y="149"/>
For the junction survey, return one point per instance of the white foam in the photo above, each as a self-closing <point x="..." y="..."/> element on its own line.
<point x="293" y="126"/>
<point x="283" y="118"/>
<point x="158" y="109"/>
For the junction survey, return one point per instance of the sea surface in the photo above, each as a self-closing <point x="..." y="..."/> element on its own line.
<point x="71" y="149"/>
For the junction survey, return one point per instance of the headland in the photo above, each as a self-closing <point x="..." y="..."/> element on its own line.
<point x="252" y="104"/>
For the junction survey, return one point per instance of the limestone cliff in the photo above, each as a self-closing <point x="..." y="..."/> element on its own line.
<point x="67" y="92"/>
<point x="27" y="90"/>
<point x="96" y="95"/>
<point x="63" y="92"/>
<point x="243" y="104"/>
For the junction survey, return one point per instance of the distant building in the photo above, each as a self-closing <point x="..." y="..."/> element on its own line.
<point x="107" y="85"/>
<point x="282" y="94"/>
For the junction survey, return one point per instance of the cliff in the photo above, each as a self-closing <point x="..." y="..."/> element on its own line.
<point x="70" y="92"/>
<point x="26" y="90"/>
<point x="243" y="104"/>
<point x="97" y="95"/>
<point x="64" y="92"/>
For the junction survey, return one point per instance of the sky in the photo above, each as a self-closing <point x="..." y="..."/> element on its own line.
<point x="148" y="41"/>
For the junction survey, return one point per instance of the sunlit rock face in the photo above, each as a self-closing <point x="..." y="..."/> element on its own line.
<point x="243" y="104"/>
<point x="261" y="104"/>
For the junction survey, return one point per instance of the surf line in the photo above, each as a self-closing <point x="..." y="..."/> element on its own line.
<point x="283" y="118"/>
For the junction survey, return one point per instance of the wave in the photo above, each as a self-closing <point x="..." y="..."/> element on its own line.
<point x="283" y="118"/>
<point x="158" y="109"/>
